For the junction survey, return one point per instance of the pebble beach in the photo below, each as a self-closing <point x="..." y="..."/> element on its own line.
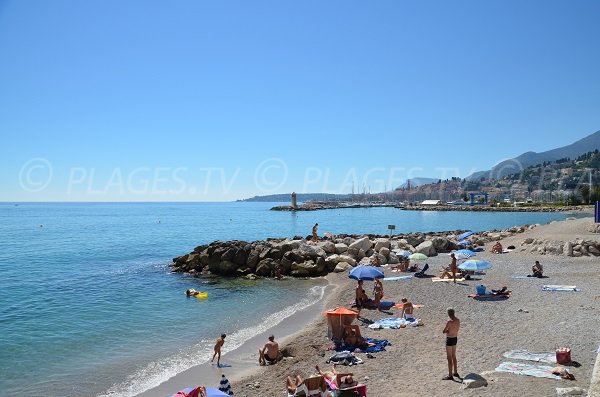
<point x="415" y="363"/>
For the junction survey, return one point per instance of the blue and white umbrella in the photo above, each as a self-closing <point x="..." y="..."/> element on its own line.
<point x="224" y="386"/>
<point x="365" y="273"/>
<point x="464" y="254"/>
<point x="465" y="235"/>
<point x="403" y="253"/>
<point x="474" y="265"/>
<point x="465" y="242"/>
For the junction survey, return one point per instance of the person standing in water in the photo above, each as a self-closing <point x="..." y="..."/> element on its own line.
<point x="218" y="344"/>
<point x="451" y="331"/>
<point x="315" y="238"/>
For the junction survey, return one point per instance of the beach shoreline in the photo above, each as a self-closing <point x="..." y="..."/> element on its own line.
<point x="531" y="319"/>
<point x="242" y="362"/>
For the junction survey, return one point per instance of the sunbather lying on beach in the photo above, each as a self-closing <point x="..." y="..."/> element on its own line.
<point x="503" y="291"/>
<point x="335" y="379"/>
<point x="293" y="384"/>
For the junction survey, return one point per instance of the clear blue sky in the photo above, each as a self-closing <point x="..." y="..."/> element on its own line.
<point x="219" y="100"/>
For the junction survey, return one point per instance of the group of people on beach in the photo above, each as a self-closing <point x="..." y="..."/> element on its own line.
<point x="269" y="354"/>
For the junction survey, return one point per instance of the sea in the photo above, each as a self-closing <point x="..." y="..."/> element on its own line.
<point x="88" y="306"/>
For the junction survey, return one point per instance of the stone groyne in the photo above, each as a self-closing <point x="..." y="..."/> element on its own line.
<point x="299" y="257"/>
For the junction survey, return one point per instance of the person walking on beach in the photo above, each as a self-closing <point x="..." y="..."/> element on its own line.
<point x="378" y="292"/>
<point x="451" y="331"/>
<point x="315" y="238"/>
<point x="269" y="353"/>
<point x="218" y="345"/>
<point x="453" y="267"/>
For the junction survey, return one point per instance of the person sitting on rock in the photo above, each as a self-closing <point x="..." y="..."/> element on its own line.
<point x="497" y="248"/>
<point x="375" y="260"/>
<point x="537" y="270"/>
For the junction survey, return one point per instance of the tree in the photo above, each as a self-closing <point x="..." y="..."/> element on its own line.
<point x="464" y="197"/>
<point x="585" y="193"/>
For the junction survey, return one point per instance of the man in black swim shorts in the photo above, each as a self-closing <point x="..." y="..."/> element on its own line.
<point x="451" y="331"/>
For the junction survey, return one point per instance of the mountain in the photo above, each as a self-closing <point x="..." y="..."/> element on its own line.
<point x="416" y="182"/>
<point x="515" y="165"/>
<point x="301" y="197"/>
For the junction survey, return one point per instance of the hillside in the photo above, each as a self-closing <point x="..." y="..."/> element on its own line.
<point x="515" y="165"/>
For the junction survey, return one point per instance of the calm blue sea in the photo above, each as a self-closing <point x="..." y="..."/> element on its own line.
<point x="88" y="306"/>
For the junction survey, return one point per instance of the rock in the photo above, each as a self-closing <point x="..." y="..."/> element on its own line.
<point x="364" y="261"/>
<point x="393" y="259"/>
<point x="275" y="254"/>
<point x="342" y="267"/>
<point x="265" y="267"/>
<point x="328" y="247"/>
<point x="577" y="254"/>
<point x="528" y="240"/>
<point x="593" y="250"/>
<point x="570" y="391"/>
<point x="577" y="247"/>
<point x="381" y="243"/>
<point x="353" y="251"/>
<point x="414" y="240"/>
<point x="441" y="244"/>
<point x="426" y="248"/>
<point x="473" y="381"/>
<point x="384" y="252"/>
<point x="335" y="259"/>
<point x="361" y="254"/>
<point x="584" y="250"/>
<point x="568" y="248"/>
<point x="227" y="268"/>
<point x="555" y="248"/>
<point x="362" y="244"/>
<point x="304" y="269"/>
<point x="341" y="248"/>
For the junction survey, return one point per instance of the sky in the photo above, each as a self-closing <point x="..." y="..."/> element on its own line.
<point x="222" y="100"/>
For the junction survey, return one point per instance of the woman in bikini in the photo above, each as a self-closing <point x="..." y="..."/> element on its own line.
<point x="378" y="292"/>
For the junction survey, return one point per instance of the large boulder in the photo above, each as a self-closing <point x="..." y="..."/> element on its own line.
<point x="473" y="381"/>
<point x="441" y="244"/>
<point x="304" y="269"/>
<point x="568" y="248"/>
<point x="362" y="244"/>
<point x="227" y="268"/>
<point x="341" y="248"/>
<point x="414" y="240"/>
<point x="381" y="243"/>
<point x="342" y="267"/>
<point x="393" y="259"/>
<point x="593" y="250"/>
<point x="328" y="247"/>
<point x="265" y="267"/>
<point x="240" y="257"/>
<point x="335" y="259"/>
<point x="385" y="252"/>
<point x="426" y="248"/>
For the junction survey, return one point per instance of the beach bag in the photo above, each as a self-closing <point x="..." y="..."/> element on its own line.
<point x="344" y="358"/>
<point x="563" y="356"/>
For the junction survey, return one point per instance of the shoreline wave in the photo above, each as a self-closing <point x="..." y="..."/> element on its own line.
<point x="156" y="373"/>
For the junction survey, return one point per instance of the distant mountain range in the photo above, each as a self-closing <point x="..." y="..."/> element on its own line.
<point x="301" y="197"/>
<point x="515" y="165"/>
<point x="416" y="182"/>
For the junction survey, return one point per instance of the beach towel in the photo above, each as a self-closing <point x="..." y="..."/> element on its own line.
<point x="546" y="357"/>
<point x="538" y="371"/>
<point x="197" y="392"/>
<point x="375" y="346"/>
<point x="344" y="358"/>
<point x="393" y="323"/>
<point x="490" y="297"/>
<point x="401" y="306"/>
<point x="571" y="288"/>
<point x="398" y="278"/>
<point x="438" y="279"/>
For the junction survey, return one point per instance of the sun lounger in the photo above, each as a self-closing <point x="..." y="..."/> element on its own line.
<point x="538" y="371"/>
<point x="359" y="388"/>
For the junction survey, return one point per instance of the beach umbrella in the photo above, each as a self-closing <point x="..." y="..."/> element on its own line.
<point x="365" y="273"/>
<point x="464" y="242"/>
<point x="403" y="253"/>
<point x="464" y="254"/>
<point x="418" y="257"/>
<point x="224" y="386"/>
<point x="474" y="264"/>
<point x="465" y="235"/>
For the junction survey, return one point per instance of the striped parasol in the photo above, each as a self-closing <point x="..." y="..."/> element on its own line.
<point x="224" y="385"/>
<point x="464" y="254"/>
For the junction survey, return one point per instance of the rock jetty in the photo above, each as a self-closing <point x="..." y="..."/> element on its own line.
<point x="328" y="205"/>
<point x="299" y="257"/>
<point x="575" y="248"/>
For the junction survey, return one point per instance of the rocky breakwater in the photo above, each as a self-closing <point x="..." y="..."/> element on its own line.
<point x="576" y="248"/>
<point x="299" y="257"/>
